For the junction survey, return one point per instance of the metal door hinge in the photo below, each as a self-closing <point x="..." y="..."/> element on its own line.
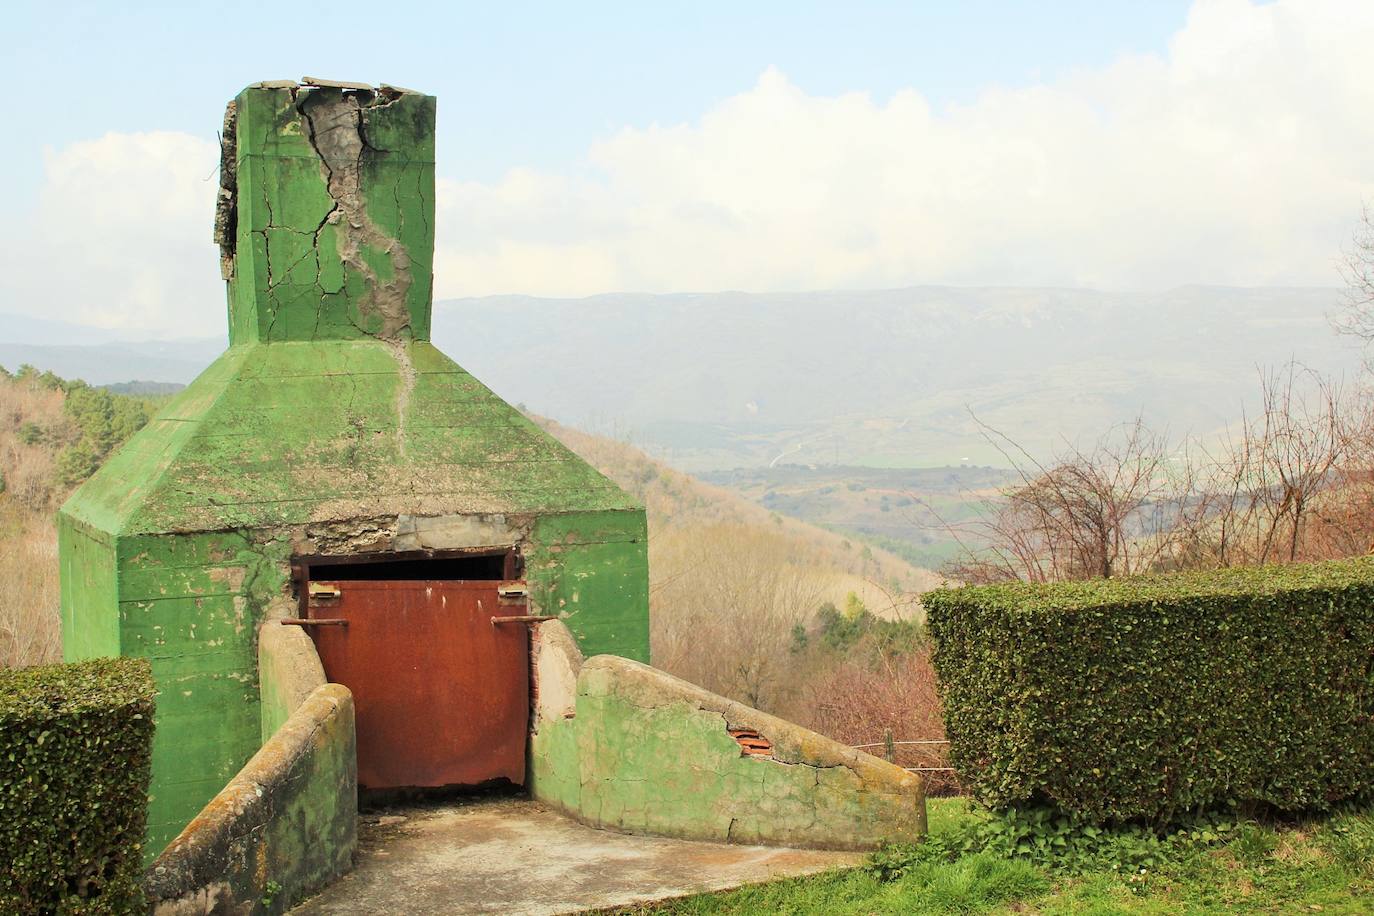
<point x="324" y="591"/>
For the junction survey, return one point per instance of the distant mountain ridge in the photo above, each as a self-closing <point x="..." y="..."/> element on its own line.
<point x="102" y="356"/>
<point x="880" y="378"/>
<point x="886" y="377"/>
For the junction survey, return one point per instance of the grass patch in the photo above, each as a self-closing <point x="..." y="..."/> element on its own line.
<point x="1312" y="866"/>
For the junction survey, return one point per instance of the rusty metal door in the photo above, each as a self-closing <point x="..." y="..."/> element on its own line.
<point x="441" y="692"/>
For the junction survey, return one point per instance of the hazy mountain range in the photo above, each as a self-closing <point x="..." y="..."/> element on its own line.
<point x="887" y="377"/>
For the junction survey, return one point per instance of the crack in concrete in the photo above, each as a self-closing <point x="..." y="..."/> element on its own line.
<point x="336" y="130"/>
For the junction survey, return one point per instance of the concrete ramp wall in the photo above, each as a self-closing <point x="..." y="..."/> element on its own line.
<point x="286" y="825"/>
<point x="620" y="745"/>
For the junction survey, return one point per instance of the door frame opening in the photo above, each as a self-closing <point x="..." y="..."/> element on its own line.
<point x="499" y="567"/>
<point x="448" y="565"/>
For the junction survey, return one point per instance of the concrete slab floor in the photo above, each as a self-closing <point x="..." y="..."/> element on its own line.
<point x="513" y="855"/>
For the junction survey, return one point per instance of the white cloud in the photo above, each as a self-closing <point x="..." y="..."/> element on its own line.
<point x="120" y="237"/>
<point x="1241" y="157"/>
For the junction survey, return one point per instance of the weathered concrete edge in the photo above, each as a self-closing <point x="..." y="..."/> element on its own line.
<point x="562" y="677"/>
<point x="217" y="863"/>
<point x="556" y="662"/>
<point x="792" y="743"/>
<point x="289" y="670"/>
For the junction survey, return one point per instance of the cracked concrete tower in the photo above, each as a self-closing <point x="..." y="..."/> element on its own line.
<point x="330" y="432"/>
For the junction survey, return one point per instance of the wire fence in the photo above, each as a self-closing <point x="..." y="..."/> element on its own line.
<point x="924" y="751"/>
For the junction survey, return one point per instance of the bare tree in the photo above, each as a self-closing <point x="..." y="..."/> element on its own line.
<point x="1119" y="507"/>
<point x="1356" y="316"/>
<point x="1285" y="464"/>
<point x="1295" y="482"/>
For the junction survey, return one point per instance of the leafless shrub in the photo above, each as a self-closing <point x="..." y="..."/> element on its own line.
<point x="1119" y="507"/>
<point x="32" y="426"/>
<point x="857" y="704"/>
<point x="1269" y="483"/>
<point x="1294" y="482"/>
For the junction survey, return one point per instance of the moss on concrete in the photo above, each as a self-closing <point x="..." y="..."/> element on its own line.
<point x="282" y="828"/>
<point x="289" y="670"/>
<point x="645" y="752"/>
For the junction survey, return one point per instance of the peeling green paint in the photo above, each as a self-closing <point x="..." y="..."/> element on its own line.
<point x="329" y="418"/>
<point x="644" y="752"/>
<point x="592" y="569"/>
<point x="335" y="215"/>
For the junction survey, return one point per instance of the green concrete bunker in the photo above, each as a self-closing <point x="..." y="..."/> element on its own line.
<point x="334" y="475"/>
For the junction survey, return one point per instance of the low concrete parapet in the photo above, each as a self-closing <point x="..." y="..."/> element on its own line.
<point x="283" y="828"/>
<point x="632" y="748"/>
<point x="289" y="670"/>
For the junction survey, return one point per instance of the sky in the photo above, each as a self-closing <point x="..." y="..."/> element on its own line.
<point x="598" y="147"/>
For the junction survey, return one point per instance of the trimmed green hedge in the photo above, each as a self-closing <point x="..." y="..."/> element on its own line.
<point x="1145" y="698"/>
<point x="75" y="744"/>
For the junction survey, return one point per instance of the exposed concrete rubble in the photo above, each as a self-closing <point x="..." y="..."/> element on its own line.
<point x="555" y="661"/>
<point x="226" y="200"/>
<point x="459" y="532"/>
<point x="336" y="129"/>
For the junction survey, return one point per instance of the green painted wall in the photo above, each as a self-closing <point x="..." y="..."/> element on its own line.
<point x="339" y="252"/>
<point x="592" y="568"/>
<point x="87" y="588"/>
<point x="191" y="603"/>
<point x="289" y="670"/>
<point x="648" y="753"/>
<point x="329" y="417"/>
<point x="304" y="432"/>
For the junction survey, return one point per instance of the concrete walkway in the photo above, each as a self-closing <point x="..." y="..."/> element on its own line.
<point x="512" y="855"/>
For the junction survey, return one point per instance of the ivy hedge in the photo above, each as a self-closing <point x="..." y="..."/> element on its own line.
<point x="75" y="745"/>
<point x="1147" y="698"/>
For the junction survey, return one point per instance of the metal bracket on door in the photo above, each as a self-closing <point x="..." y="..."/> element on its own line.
<point x="316" y="622"/>
<point x="515" y="594"/>
<point x="523" y="618"/>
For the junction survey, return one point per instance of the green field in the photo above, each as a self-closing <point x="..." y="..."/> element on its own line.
<point x="1248" y="867"/>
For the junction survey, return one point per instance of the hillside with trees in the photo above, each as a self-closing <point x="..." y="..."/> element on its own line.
<point x="777" y="613"/>
<point x="53" y="435"/>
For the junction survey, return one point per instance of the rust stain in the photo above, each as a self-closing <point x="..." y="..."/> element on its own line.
<point x="441" y="694"/>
